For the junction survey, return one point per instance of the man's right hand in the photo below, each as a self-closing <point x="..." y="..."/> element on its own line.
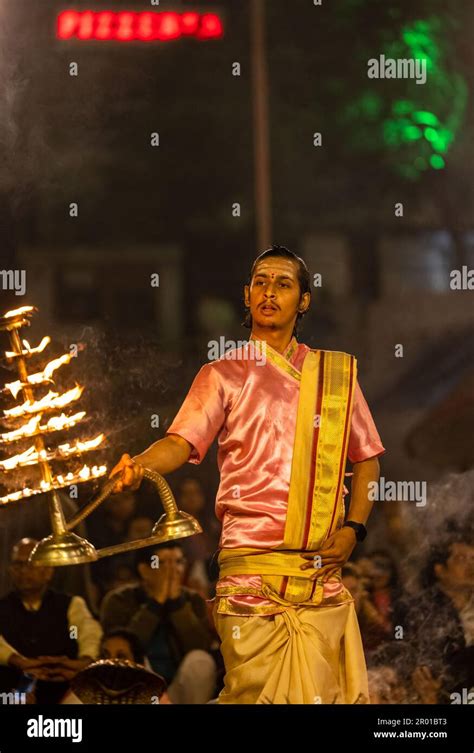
<point x="129" y="475"/>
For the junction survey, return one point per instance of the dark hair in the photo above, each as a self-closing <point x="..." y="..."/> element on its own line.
<point x="144" y="555"/>
<point x="439" y="555"/>
<point x="303" y="278"/>
<point x="132" y="640"/>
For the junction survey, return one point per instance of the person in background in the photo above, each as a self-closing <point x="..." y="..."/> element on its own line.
<point x="118" y="645"/>
<point x="438" y="620"/>
<point x="169" y="619"/>
<point x="122" y="644"/>
<point x="43" y="633"/>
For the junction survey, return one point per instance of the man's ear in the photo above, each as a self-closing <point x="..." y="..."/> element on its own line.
<point x="247" y="295"/>
<point x="304" y="302"/>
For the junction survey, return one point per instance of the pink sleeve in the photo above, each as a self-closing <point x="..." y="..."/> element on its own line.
<point x="364" y="440"/>
<point x="202" y="413"/>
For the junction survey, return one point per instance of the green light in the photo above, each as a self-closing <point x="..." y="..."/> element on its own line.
<point x="445" y="136"/>
<point x="425" y="118"/>
<point x="412" y="133"/>
<point x="430" y="134"/>
<point x="437" y="162"/>
<point x="414" y="125"/>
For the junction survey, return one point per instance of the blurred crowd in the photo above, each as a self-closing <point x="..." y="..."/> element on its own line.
<point x="153" y="607"/>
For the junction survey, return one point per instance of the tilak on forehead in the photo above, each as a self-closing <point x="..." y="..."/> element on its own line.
<point x="285" y="266"/>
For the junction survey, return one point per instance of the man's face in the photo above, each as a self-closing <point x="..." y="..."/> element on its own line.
<point x="273" y="295"/>
<point x="458" y="571"/>
<point x="27" y="578"/>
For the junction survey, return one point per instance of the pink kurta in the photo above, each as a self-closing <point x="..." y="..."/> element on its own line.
<point x="251" y="407"/>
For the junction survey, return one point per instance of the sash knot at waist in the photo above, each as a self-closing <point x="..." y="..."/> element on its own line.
<point x="283" y="581"/>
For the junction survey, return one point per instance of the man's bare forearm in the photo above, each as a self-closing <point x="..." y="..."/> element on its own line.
<point x="361" y="506"/>
<point x="165" y="455"/>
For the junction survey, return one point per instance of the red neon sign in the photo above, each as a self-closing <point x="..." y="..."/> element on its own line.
<point x="126" y="26"/>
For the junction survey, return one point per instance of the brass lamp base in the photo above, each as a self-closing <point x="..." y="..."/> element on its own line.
<point x="64" y="549"/>
<point x="177" y="526"/>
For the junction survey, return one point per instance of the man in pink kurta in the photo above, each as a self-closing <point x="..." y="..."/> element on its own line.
<point x="250" y="405"/>
<point x="288" y="627"/>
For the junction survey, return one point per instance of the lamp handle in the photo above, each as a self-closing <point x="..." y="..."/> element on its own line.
<point x="166" y="495"/>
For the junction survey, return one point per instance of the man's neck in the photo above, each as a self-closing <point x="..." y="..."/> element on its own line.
<point x="277" y="339"/>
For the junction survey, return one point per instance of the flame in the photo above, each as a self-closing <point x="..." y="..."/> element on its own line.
<point x="24" y="458"/>
<point x="90" y="444"/>
<point x="15" y="312"/>
<point x="40" y="376"/>
<point x="55" y="423"/>
<point x="24" y="431"/>
<point x="28" y="349"/>
<point x="31" y="456"/>
<point x="84" y="474"/>
<point x="51" y="400"/>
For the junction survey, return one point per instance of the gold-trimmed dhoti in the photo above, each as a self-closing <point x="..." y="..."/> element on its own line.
<point x="302" y="655"/>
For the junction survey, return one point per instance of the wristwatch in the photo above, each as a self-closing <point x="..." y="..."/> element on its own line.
<point x="359" y="528"/>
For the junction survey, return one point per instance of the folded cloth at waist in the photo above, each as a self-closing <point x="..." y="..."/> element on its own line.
<point x="263" y="581"/>
<point x="249" y="561"/>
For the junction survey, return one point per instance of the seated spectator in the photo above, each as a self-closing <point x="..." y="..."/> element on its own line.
<point x="119" y="645"/>
<point x="169" y="619"/>
<point x="438" y="620"/>
<point x="122" y="644"/>
<point x="46" y="634"/>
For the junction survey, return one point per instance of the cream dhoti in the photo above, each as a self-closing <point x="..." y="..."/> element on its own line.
<point x="308" y="651"/>
<point x="301" y="655"/>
